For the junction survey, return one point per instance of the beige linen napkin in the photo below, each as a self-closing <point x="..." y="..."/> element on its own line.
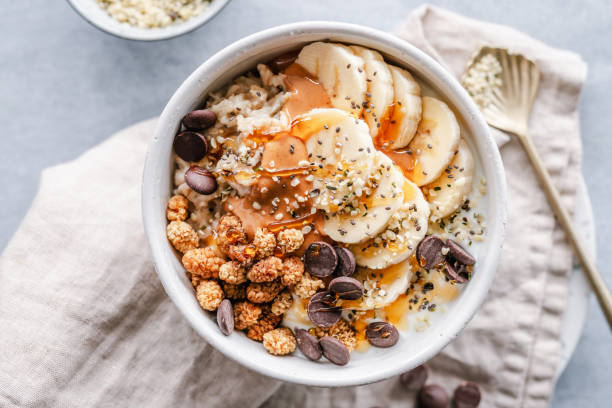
<point x="85" y="322"/>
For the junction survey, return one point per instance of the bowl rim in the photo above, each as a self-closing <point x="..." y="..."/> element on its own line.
<point x="490" y="158"/>
<point x="107" y="24"/>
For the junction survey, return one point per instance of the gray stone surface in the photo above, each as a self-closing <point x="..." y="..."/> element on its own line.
<point x="65" y="86"/>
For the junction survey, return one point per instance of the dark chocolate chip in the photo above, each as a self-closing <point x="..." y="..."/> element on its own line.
<point x="225" y="317"/>
<point x="321" y="259"/>
<point x="456" y="271"/>
<point x="457" y="252"/>
<point x="199" y="119"/>
<point x="433" y="396"/>
<point x="346" y="287"/>
<point x="190" y="146"/>
<point x="346" y="262"/>
<point x="201" y="180"/>
<point x="429" y="252"/>
<point x="281" y="62"/>
<point x="334" y="350"/>
<point x="322" y="310"/>
<point x="382" y="334"/>
<point x="467" y="395"/>
<point x="308" y="344"/>
<point x="414" y="379"/>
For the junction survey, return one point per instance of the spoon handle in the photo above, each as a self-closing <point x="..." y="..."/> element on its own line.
<point x="588" y="266"/>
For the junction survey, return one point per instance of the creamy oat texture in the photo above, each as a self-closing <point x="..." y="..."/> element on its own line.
<point x="153" y="13"/>
<point x="247" y="104"/>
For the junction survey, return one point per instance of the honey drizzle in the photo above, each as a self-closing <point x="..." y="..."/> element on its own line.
<point x="293" y="223"/>
<point x="397" y="312"/>
<point x="390" y="124"/>
<point x="302" y="127"/>
<point x="283" y="172"/>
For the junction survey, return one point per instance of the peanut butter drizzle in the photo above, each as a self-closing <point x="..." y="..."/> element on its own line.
<point x="276" y="194"/>
<point x="307" y="93"/>
<point x="280" y="166"/>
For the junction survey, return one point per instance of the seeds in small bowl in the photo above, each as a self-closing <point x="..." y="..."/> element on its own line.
<point x="153" y="13"/>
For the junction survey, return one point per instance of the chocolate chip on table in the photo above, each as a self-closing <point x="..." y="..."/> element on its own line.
<point x="382" y="334"/>
<point x="346" y="287"/>
<point x="225" y="317"/>
<point x="467" y="395"/>
<point x="320" y="259"/>
<point x="414" y="379"/>
<point x="458" y="253"/>
<point x="433" y="396"/>
<point x="199" y="119"/>
<point x="281" y="62"/>
<point x="190" y="146"/>
<point x="456" y="271"/>
<point x="308" y="344"/>
<point x="322" y="310"/>
<point x="201" y="180"/>
<point x="429" y="252"/>
<point x="346" y="262"/>
<point x="334" y="350"/>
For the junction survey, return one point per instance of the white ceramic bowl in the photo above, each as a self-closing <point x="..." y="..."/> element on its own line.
<point x="375" y="364"/>
<point x="93" y="13"/>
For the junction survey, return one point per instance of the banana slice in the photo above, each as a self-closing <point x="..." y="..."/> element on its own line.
<point x="381" y="286"/>
<point x="334" y="137"/>
<point x="435" y="142"/>
<point x="339" y="71"/>
<point x="359" y="217"/>
<point x="449" y="191"/>
<point x="380" y="87"/>
<point x="400" y="123"/>
<point x="399" y="239"/>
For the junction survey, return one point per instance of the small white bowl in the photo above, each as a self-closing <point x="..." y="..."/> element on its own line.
<point x="91" y="11"/>
<point x="375" y="364"/>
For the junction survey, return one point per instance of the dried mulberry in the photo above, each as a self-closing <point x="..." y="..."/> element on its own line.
<point x="279" y="341"/>
<point x="182" y="236"/>
<point x="209" y="295"/>
<point x="265" y="270"/>
<point x="203" y="262"/>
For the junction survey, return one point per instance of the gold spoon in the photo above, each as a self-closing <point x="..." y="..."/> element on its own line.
<point x="507" y="108"/>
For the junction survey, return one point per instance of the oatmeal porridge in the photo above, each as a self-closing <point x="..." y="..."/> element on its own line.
<point x="325" y="203"/>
